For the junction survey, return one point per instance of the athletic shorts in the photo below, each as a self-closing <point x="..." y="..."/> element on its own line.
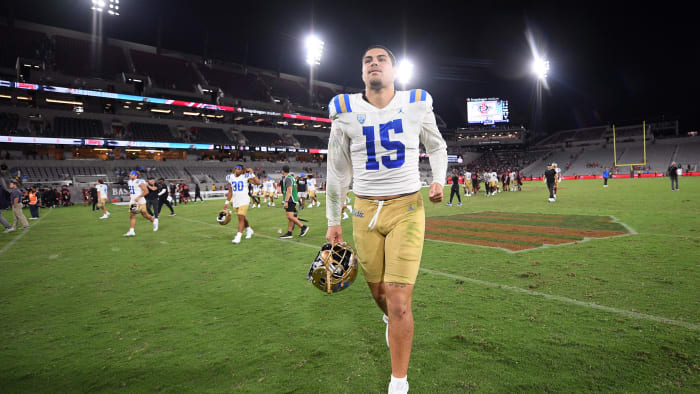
<point x="301" y="194"/>
<point x="101" y="202"/>
<point x="140" y="208"/>
<point x="242" y="210"/>
<point x="312" y="193"/>
<point x="391" y="251"/>
<point x="291" y="207"/>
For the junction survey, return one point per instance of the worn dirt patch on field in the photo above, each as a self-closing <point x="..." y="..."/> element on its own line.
<point x="492" y="229"/>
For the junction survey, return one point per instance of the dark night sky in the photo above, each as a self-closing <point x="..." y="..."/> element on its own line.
<point x="610" y="63"/>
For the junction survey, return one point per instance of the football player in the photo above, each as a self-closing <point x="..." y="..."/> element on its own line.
<point x="137" y="202"/>
<point x="468" y="183"/>
<point x="102" y="198"/>
<point x="311" y="184"/>
<point x="270" y="192"/>
<point x="239" y="199"/>
<point x="557" y="178"/>
<point x="374" y="143"/>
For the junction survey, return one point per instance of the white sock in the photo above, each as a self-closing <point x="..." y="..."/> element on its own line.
<point x="399" y="380"/>
<point x="248" y="229"/>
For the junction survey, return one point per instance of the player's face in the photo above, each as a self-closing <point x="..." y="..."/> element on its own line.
<point x="132" y="176"/>
<point x="377" y="69"/>
<point x="238" y="171"/>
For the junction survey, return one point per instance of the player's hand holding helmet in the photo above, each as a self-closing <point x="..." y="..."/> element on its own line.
<point x="334" y="268"/>
<point x="133" y="207"/>
<point x="223" y="217"/>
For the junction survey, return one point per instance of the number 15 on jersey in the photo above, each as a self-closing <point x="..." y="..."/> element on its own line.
<point x="384" y="138"/>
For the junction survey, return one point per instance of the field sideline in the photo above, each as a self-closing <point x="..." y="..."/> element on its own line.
<point x="184" y="310"/>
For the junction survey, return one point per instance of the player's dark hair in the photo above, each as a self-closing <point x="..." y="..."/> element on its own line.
<point x="100" y="181"/>
<point x="388" y="51"/>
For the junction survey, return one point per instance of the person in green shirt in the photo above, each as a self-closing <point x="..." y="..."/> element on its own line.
<point x="291" y="199"/>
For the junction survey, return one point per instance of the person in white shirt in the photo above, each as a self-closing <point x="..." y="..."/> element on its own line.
<point x="374" y="142"/>
<point x="102" y="198"/>
<point x="239" y="198"/>
<point x="311" y="185"/>
<point x="468" y="183"/>
<point x="137" y="202"/>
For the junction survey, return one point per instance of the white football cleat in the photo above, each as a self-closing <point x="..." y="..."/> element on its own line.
<point x="130" y="233"/>
<point x="155" y="224"/>
<point x="104" y="217"/>
<point x="237" y="239"/>
<point x="345" y="216"/>
<point x="249" y="233"/>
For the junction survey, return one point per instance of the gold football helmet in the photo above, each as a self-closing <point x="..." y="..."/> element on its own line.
<point x="224" y="217"/>
<point x="334" y="268"/>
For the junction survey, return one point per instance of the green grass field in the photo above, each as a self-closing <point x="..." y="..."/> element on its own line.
<point x="183" y="310"/>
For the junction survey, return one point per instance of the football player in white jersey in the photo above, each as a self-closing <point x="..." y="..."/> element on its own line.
<point x="374" y="143"/>
<point x="239" y="198"/>
<point x="468" y="183"/>
<point x="311" y="186"/>
<point x="269" y="190"/>
<point x="137" y="202"/>
<point x="102" y="198"/>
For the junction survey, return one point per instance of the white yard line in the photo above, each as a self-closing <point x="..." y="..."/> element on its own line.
<point x="623" y="312"/>
<point x="22" y="234"/>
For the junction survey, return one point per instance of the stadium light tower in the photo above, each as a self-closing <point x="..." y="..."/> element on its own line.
<point x="112" y="6"/>
<point x="404" y="72"/>
<point x="314" y="52"/>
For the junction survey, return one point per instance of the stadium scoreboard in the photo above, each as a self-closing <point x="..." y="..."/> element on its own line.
<point x="487" y="111"/>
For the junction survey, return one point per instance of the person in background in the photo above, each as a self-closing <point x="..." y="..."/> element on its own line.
<point x="550" y="179"/>
<point x="673" y="174"/>
<point x="606" y="175"/>
<point x="173" y="193"/>
<point x="163" y="197"/>
<point x="34" y="202"/>
<point x="197" y="193"/>
<point x="93" y="197"/>
<point x="16" y="202"/>
<point x="455" y="189"/>
<point x="152" y="197"/>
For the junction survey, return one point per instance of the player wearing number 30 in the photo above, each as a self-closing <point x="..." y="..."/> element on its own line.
<point x="374" y="142"/>
<point x="239" y="198"/>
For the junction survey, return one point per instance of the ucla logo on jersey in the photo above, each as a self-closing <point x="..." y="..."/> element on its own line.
<point x="359" y="213"/>
<point x="361" y="118"/>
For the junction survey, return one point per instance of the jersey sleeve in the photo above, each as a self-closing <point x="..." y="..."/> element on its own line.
<point x="434" y="144"/>
<point x="339" y="172"/>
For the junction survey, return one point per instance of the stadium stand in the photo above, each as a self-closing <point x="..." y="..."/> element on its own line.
<point x="8" y="123"/>
<point x="77" y="128"/>
<point x="209" y="135"/>
<point x="285" y="88"/>
<point x="73" y="58"/>
<point x="262" y="139"/>
<point x="235" y="84"/>
<point x="149" y="132"/>
<point x="17" y="42"/>
<point x="689" y="154"/>
<point x="166" y="72"/>
<point x="307" y="141"/>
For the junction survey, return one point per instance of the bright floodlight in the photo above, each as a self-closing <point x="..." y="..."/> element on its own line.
<point x="314" y="50"/>
<point x="540" y="67"/>
<point x="101" y="5"/>
<point x="404" y="71"/>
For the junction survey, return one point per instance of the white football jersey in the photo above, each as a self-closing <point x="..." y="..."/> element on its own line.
<point x="377" y="149"/>
<point x="558" y="173"/>
<point x="269" y="187"/>
<point x="239" y="187"/>
<point x="468" y="175"/>
<point x="311" y="184"/>
<point x="135" y="190"/>
<point x="256" y="189"/>
<point x="101" y="190"/>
